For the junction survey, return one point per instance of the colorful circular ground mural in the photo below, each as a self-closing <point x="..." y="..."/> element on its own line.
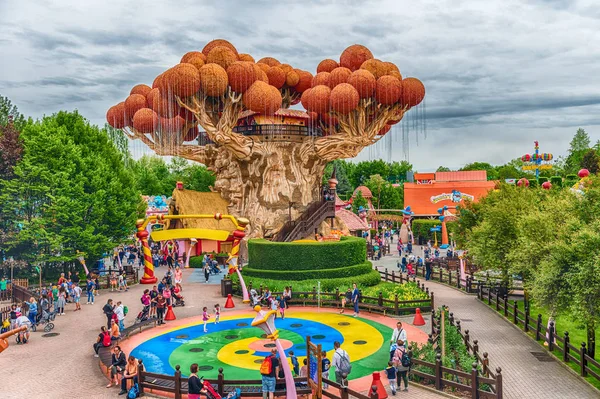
<point x="239" y="348"/>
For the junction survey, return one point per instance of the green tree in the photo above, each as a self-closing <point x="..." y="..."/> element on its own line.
<point x="397" y="171"/>
<point x="343" y="171"/>
<point x="71" y="192"/>
<point x="9" y="110"/>
<point x="365" y="169"/>
<point x="491" y="170"/>
<point x="359" y="201"/>
<point x="385" y="196"/>
<point x="11" y="149"/>
<point x="442" y="169"/>
<point x="577" y="149"/>
<point x="591" y="161"/>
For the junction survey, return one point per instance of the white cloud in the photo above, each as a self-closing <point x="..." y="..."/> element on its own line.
<point x="499" y="74"/>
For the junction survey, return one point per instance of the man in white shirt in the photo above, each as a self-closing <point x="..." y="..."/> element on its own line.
<point x="399" y="333"/>
<point x="340" y="358"/>
<point x="120" y="315"/>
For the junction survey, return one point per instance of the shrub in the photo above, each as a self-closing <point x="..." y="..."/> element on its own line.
<point x="532" y="183"/>
<point x="196" y="262"/>
<point x="264" y="254"/>
<point x="327" y="285"/>
<point x="296" y="275"/>
<point x="421" y="228"/>
<point x="406" y="292"/>
<point x="542" y="180"/>
<point x="570" y="180"/>
<point x="556" y="181"/>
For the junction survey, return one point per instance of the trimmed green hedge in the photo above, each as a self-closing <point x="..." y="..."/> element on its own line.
<point x="556" y="181"/>
<point x="327" y="285"/>
<point x="295" y="275"/>
<point x="196" y="262"/>
<point x="268" y="255"/>
<point x="543" y="180"/>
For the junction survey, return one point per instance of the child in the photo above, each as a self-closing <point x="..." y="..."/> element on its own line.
<point x="160" y="308"/>
<point x="205" y="317"/>
<point x="295" y="363"/>
<point x="274" y="304"/>
<point x="113" y="282"/>
<point x="97" y="286"/>
<point x="121" y="284"/>
<point x="54" y="295"/>
<point x="304" y="369"/>
<point x="391" y="375"/>
<point x="281" y="307"/>
<point x="125" y="282"/>
<point x="217" y="313"/>
<point x="325" y="364"/>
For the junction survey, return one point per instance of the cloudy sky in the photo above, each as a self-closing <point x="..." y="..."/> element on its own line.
<point x="498" y="74"/>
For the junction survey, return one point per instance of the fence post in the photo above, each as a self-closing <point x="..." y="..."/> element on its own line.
<point x="177" y="382"/>
<point x="515" y="312"/>
<point x="451" y="318"/>
<point x="401" y="276"/>
<point x="479" y="291"/>
<point x="393" y="276"/>
<point x="538" y="328"/>
<point x="583" y="362"/>
<point x="550" y="337"/>
<point x="441" y="276"/>
<point x="140" y="374"/>
<point x="458" y="325"/>
<point x="486" y="365"/>
<point x="497" y="302"/>
<point x="505" y="305"/>
<point x="396" y="304"/>
<point x="566" y="347"/>
<point x="344" y="392"/>
<point x="449" y="277"/>
<point x="475" y="348"/>
<point x="432" y="302"/>
<point x="426" y="290"/>
<point x="438" y="371"/>
<point x="526" y="324"/>
<point x="314" y="293"/>
<point x="466" y="339"/>
<point x="474" y="380"/>
<point x="386" y="275"/>
<point x="468" y="284"/>
<point x="498" y="383"/>
<point x="489" y="295"/>
<point x="220" y="382"/>
<point x="380" y="299"/>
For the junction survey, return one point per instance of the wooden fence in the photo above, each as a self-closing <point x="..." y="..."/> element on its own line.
<point x="534" y="326"/>
<point x="368" y="303"/>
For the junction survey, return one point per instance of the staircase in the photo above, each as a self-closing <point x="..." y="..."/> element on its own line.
<point x="307" y="223"/>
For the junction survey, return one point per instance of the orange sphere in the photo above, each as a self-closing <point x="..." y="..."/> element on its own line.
<point x="392" y="70"/>
<point x="292" y="78"/>
<point x="192" y="55"/>
<point x="150" y="97"/>
<point x="183" y="80"/>
<point x="364" y="82"/>
<point x="262" y="98"/>
<point x="197" y="59"/>
<point x="276" y="77"/>
<point x="389" y="90"/>
<point x="263" y="66"/>
<point x="270" y="61"/>
<point x="164" y="106"/>
<point x="241" y="75"/>
<point x="213" y="80"/>
<point x="318" y="100"/>
<point x="305" y="98"/>
<point x="344" y="98"/>
<point x="145" y="120"/>
<point x="329" y="119"/>
<point x="313" y="117"/>
<point x="221" y="55"/>
<point x="174" y="124"/>
<point x="354" y="56"/>
<point x="141" y="89"/>
<point x="384" y="130"/>
<point x="321" y="78"/>
<point x="375" y="66"/>
<point x="286" y="67"/>
<point x="116" y="116"/>
<point x="413" y="92"/>
<point x="133" y="104"/>
<point x="327" y="65"/>
<point x="260" y="74"/>
<point x="246" y="57"/>
<point x="339" y="75"/>
<point x="218" y="42"/>
<point x="305" y="81"/>
<point x="187" y="115"/>
<point x="157" y="81"/>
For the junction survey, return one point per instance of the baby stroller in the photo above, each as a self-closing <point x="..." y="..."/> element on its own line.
<point x="143" y="315"/>
<point x="211" y="392"/>
<point x="214" y="268"/>
<point x="44" y="318"/>
<point x="410" y="271"/>
<point x="178" y="299"/>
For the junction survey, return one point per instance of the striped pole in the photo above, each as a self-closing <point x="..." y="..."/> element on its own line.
<point x="142" y="234"/>
<point x="238" y="235"/>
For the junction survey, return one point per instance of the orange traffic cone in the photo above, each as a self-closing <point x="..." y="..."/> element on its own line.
<point x="170" y="314"/>
<point x="418" y="320"/>
<point x="229" y="302"/>
<point x="381" y="393"/>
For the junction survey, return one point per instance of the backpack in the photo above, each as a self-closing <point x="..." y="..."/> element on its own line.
<point x="267" y="366"/>
<point x="106" y="339"/>
<point x="345" y="366"/>
<point x="134" y="392"/>
<point x="405" y="360"/>
<point x="125" y="310"/>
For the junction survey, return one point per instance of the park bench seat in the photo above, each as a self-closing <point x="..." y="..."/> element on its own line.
<point x="128" y="330"/>
<point x="256" y="390"/>
<point x="371" y="306"/>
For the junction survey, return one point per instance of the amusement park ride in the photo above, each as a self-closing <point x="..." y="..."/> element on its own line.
<point x="537" y="161"/>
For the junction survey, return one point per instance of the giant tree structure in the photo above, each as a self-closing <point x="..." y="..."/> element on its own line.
<point x="351" y="104"/>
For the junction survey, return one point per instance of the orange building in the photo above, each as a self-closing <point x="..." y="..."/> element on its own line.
<point x="431" y="191"/>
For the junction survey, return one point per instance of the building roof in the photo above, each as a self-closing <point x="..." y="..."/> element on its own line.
<point x="339" y="201"/>
<point x="366" y="193"/>
<point x="190" y="202"/>
<point x="280" y="112"/>
<point x="471" y="175"/>
<point x="351" y="220"/>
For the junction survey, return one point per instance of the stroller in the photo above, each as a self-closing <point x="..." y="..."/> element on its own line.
<point x="410" y="271"/>
<point x="46" y="319"/>
<point x="177" y="299"/>
<point x="211" y="392"/>
<point x="143" y="315"/>
<point x="214" y="269"/>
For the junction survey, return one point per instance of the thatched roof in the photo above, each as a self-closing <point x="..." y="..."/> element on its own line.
<point x="189" y="202"/>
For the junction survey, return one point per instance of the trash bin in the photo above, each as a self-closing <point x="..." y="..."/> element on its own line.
<point x="226" y="287"/>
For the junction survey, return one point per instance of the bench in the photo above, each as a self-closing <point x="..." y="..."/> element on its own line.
<point x="371" y="306"/>
<point x="314" y="302"/>
<point x="128" y="330"/>
<point x="256" y="390"/>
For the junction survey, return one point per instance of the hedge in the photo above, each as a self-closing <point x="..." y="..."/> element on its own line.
<point x="296" y="275"/>
<point x="533" y="183"/>
<point x="327" y="285"/>
<point x="556" y="181"/>
<point x="196" y="262"/>
<point x="542" y="180"/>
<point x="264" y="254"/>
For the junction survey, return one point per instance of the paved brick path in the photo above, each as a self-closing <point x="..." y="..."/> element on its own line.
<point x="64" y="366"/>
<point x="523" y="375"/>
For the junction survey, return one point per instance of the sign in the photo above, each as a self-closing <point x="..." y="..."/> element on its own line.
<point x="545" y="166"/>
<point x="315" y="375"/>
<point x="510" y="181"/>
<point x="454" y="196"/>
<point x="426" y="181"/>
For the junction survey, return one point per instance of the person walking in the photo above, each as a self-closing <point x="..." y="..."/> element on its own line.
<point x="355" y="298"/>
<point x="153" y="296"/>
<point x="206" y="272"/>
<point x="398" y="333"/>
<point x="90" y="291"/>
<point x="108" y="310"/>
<point x="402" y="361"/>
<point x="391" y="374"/>
<point x="205" y="317"/>
<point x="161" y="303"/>
<point x="77" y="296"/>
<point x="341" y="363"/>
<point x="428" y="265"/>
<point x="120" y="312"/>
<point x="269" y="370"/>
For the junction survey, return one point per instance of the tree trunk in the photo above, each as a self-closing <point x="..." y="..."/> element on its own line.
<point x="263" y="188"/>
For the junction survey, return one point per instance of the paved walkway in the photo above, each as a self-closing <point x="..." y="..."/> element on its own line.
<point x="523" y="375"/>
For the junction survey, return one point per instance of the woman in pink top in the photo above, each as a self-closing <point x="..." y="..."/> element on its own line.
<point x="205" y="317"/>
<point x="167" y="294"/>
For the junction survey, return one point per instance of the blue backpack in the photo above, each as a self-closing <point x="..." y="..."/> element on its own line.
<point x="134" y="392"/>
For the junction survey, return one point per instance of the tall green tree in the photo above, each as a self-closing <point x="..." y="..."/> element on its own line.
<point x="359" y="201"/>
<point x="577" y="149"/>
<point x="591" y="161"/>
<point x="385" y="195"/>
<point x="10" y="111"/>
<point x="442" y="169"/>
<point x="492" y="173"/>
<point x="343" y="171"/>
